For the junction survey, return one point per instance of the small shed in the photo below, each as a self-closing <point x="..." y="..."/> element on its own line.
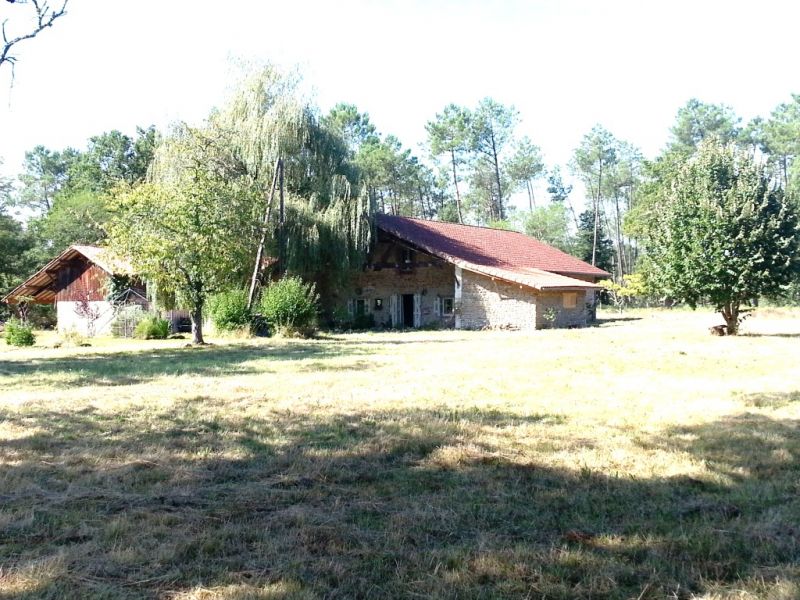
<point x="81" y="283"/>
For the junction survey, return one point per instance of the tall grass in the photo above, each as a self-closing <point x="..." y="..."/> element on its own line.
<point x="639" y="459"/>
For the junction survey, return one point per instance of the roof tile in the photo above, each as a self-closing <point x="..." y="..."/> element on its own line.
<point x="508" y="254"/>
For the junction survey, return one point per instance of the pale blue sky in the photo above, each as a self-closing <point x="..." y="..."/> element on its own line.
<point x="115" y="64"/>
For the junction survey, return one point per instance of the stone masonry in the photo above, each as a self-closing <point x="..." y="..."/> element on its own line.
<point x="480" y="302"/>
<point x="428" y="277"/>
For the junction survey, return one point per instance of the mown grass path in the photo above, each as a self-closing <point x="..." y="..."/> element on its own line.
<point x="641" y="458"/>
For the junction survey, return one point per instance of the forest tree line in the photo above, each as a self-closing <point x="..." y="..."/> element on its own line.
<point x="339" y="168"/>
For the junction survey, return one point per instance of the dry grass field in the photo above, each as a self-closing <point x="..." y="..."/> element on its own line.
<point x="642" y="458"/>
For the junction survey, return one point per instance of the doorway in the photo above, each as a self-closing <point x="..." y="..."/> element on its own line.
<point x="408" y="310"/>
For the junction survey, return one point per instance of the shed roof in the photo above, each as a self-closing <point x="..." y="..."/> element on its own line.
<point x="39" y="286"/>
<point x="499" y="253"/>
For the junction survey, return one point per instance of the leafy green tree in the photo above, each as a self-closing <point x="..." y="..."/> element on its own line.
<point x="397" y="181"/>
<point x="15" y="243"/>
<point x="45" y="174"/>
<point x="354" y="127"/>
<point x="621" y="190"/>
<point x="112" y="158"/>
<point x="591" y="242"/>
<point x="549" y="224"/>
<point x="724" y="233"/>
<point x="77" y="218"/>
<point x="491" y="130"/>
<point x="781" y="138"/>
<point x="324" y="228"/>
<point x="697" y="121"/>
<point x="592" y="162"/>
<point x="559" y="192"/>
<point x="191" y="230"/>
<point x="448" y="134"/>
<point x="480" y="200"/>
<point x="526" y="166"/>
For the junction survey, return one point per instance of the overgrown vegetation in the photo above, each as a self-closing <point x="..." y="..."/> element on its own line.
<point x="229" y="311"/>
<point x="295" y="469"/>
<point x="18" y="333"/>
<point x="151" y="327"/>
<point x="291" y="306"/>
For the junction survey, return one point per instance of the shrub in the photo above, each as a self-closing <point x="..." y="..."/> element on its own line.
<point x="18" y="333"/>
<point x="152" y="328"/>
<point x="72" y="337"/>
<point x="364" y="321"/>
<point x="229" y="310"/>
<point x="290" y="306"/>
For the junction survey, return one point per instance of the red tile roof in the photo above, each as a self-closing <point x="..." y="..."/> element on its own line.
<point x="498" y="253"/>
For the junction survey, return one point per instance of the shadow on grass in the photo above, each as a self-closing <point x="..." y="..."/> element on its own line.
<point x="389" y="504"/>
<point x="770" y="335"/>
<point x="612" y="320"/>
<point x="119" y="368"/>
<point x="138" y="366"/>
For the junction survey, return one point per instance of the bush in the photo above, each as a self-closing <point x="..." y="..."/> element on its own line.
<point x="72" y="337"/>
<point x="18" y="333"/>
<point x="290" y="306"/>
<point x="363" y="322"/>
<point x="229" y="310"/>
<point x="151" y="328"/>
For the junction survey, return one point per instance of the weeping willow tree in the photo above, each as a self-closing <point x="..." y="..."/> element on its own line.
<point x="205" y="217"/>
<point x="325" y="224"/>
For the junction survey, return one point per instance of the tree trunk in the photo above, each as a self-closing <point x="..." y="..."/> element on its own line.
<point x="282" y="257"/>
<point x="785" y="173"/>
<point x="455" y="183"/>
<point x="197" y="325"/>
<point x="260" y="253"/>
<point x="497" y="177"/>
<point x="597" y="212"/>
<point x="531" y="202"/>
<point x="730" y="312"/>
<point x="620" y="245"/>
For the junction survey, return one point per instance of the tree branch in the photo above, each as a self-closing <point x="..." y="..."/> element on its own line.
<point x="45" y="16"/>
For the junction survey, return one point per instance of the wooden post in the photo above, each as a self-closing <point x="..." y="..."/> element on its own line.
<point x="281" y="223"/>
<point x="260" y="253"/>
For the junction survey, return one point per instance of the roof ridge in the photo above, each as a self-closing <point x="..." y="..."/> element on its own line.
<point x="456" y="224"/>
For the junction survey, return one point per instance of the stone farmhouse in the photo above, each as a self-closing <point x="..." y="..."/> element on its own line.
<point x="418" y="274"/>
<point x="429" y="273"/>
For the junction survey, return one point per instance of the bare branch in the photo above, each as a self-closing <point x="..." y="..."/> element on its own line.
<point x="45" y="16"/>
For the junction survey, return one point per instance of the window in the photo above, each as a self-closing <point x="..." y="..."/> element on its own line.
<point x="447" y="306"/>
<point x="570" y="300"/>
<point x="361" y="307"/>
<point x="378" y="304"/>
<point x="407" y="256"/>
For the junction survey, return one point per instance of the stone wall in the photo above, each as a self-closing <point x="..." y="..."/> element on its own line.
<point x="487" y="302"/>
<point x="551" y="312"/>
<point x="480" y="301"/>
<point x="428" y="277"/>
